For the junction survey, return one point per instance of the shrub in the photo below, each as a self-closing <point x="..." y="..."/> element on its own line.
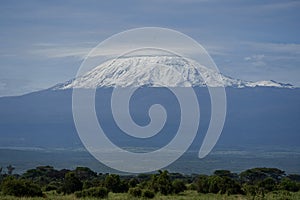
<point x="98" y="192"/>
<point x="114" y="184"/>
<point x="148" y="194"/>
<point x="289" y="185"/>
<point x="51" y="186"/>
<point x="133" y="182"/>
<point x="178" y="186"/>
<point x="161" y="183"/>
<point x="192" y="186"/>
<point x="216" y="184"/>
<point x="71" y="183"/>
<point x="20" y="188"/>
<point x="268" y="184"/>
<point x="202" y="184"/>
<point x="135" y="192"/>
<point x="250" y="190"/>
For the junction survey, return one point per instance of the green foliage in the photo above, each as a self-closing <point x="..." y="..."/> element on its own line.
<point x="133" y="182"/>
<point x="84" y="173"/>
<point x="259" y="174"/>
<point x="192" y="186"/>
<point x="95" y="182"/>
<point x="289" y="185"/>
<point x="98" y="192"/>
<point x="20" y="187"/>
<point x="250" y="190"/>
<point x="230" y="186"/>
<point x="43" y="175"/>
<point x="222" y="173"/>
<point x="216" y="184"/>
<point x="135" y="192"/>
<point x="52" y="186"/>
<point x="71" y="184"/>
<point x="148" y="194"/>
<point x="256" y="182"/>
<point x="202" y="184"/>
<point x="114" y="184"/>
<point x="178" y="186"/>
<point x="161" y="183"/>
<point x="268" y="184"/>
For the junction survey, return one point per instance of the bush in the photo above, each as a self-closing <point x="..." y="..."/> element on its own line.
<point x="192" y="186"/>
<point x="178" y="186"/>
<point x="216" y="184"/>
<point x="20" y="188"/>
<point x="51" y="186"/>
<point x="133" y="182"/>
<point x="268" y="184"/>
<point x="202" y="184"/>
<point x="161" y="183"/>
<point x="289" y="185"/>
<point x="98" y="192"/>
<point x="250" y="190"/>
<point x="135" y="192"/>
<point x="71" y="184"/>
<point x="114" y="184"/>
<point x="148" y="194"/>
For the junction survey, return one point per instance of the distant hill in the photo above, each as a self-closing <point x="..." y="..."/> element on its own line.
<point x="255" y="116"/>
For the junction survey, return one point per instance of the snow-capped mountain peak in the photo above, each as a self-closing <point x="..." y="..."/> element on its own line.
<point x="158" y="71"/>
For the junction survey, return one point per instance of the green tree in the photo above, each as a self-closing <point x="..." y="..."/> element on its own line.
<point x="161" y="183"/>
<point x="84" y="173"/>
<point x="289" y="185"/>
<point x="133" y="182"/>
<point x="71" y="183"/>
<point x="255" y="175"/>
<point x="267" y="185"/>
<point x="226" y="173"/>
<point x="149" y="194"/>
<point x="178" y="186"/>
<point x="20" y="188"/>
<point x="135" y="192"/>
<point x="215" y="183"/>
<point x="250" y="189"/>
<point x="202" y="184"/>
<point x="97" y="192"/>
<point x="114" y="184"/>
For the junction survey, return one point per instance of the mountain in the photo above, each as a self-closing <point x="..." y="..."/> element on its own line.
<point x="261" y="127"/>
<point x="158" y="71"/>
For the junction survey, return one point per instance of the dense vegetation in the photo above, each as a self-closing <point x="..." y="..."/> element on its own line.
<point x="83" y="182"/>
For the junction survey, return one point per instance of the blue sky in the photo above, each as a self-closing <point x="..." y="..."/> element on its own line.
<point x="44" y="42"/>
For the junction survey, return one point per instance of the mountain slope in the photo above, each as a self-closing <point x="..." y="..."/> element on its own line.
<point x="158" y="71"/>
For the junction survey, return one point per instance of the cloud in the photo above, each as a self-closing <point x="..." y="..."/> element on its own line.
<point x="53" y="50"/>
<point x="256" y="60"/>
<point x="283" y="48"/>
<point x="2" y="85"/>
<point x="120" y="44"/>
<point x="280" y="5"/>
<point x="15" y="86"/>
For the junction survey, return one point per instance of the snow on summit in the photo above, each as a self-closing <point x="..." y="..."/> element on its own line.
<point x="157" y="71"/>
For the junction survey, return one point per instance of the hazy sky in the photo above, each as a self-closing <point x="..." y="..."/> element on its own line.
<point x="44" y="42"/>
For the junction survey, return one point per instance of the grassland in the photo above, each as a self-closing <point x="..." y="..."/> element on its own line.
<point x="187" y="195"/>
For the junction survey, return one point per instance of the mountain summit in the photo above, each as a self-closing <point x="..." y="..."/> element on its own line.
<point x="158" y="71"/>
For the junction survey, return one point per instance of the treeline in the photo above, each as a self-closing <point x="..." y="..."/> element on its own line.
<point x="84" y="182"/>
